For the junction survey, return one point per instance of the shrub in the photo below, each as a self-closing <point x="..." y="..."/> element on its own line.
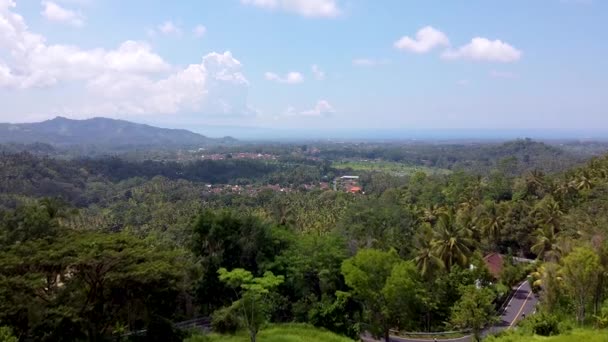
<point x="225" y="320"/>
<point x="543" y="324"/>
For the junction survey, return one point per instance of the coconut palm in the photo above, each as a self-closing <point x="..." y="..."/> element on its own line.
<point x="452" y="242"/>
<point x="493" y="221"/>
<point x="546" y="245"/>
<point x="426" y="260"/>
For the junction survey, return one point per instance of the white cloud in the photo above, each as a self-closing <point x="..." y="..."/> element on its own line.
<point x="128" y="80"/>
<point x="216" y="86"/>
<point x="53" y="12"/>
<point x="317" y="72"/>
<point x="321" y="109"/>
<point x="199" y="31"/>
<point x="483" y="49"/>
<point x="427" y="38"/>
<point x="292" y="77"/>
<point x="503" y="74"/>
<point x="369" y="62"/>
<point x="168" y="28"/>
<point x="306" y="8"/>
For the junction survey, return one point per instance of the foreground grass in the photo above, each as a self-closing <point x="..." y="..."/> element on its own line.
<point x="279" y="333"/>
<point x="585" y="335"/>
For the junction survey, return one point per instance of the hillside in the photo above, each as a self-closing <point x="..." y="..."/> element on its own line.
<point x="102" y="132"/>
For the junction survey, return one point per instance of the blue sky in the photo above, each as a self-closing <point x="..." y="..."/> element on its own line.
<point x="309" y="64"/>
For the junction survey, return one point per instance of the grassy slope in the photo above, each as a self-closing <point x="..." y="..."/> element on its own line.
<point x="586" y="335"/>
<point x="281" y="333"/>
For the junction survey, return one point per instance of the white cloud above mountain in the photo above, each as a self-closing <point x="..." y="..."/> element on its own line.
<point x="130" y="79"/>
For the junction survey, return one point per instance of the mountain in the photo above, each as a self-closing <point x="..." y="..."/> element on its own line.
<point x="103" y="132"/>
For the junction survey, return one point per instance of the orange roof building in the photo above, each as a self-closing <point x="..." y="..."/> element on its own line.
<point x="494" y="263"/>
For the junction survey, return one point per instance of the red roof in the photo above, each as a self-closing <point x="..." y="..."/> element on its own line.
<point x="355" y="189"/>
<point x="494" y="262"/>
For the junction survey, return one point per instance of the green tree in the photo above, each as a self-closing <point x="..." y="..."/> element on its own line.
<point x="475" y="310"/>
<point x="252" y="296"/>
<point x="452" y="242"/>
<point x="389" y="289"/>
<point x="581" y="270"/>
<point x="6" y="335"/>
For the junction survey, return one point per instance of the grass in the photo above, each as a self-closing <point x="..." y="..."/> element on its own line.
<point x="278" y="333"/>
<point x="586" y="335"/>
<point x="387" y="166"/>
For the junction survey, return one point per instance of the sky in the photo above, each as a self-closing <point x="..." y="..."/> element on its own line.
<point x="309" y="65"/>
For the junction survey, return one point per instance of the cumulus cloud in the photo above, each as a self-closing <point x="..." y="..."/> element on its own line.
<point x="199" y="31"/>
<point x="321" y="109"/>
<point x="54" y="12"/>
<point x="317" y="72"/>
<point x="306" y="8"/>
<point x="128" y="80"/>
<point x="292" y="77"/>
<point x="427" y="38"/>
<point x="483" y="49"/>
<point x="369" y="62"/>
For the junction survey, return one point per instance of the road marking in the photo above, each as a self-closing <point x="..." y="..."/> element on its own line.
<point x="520" y="310"/>
<point x="509" y="303"/>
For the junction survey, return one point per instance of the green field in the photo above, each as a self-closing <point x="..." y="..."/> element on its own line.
<point x="387" y="166"/>
<point x="586" y="335"/>
<point x="278" y="333"/>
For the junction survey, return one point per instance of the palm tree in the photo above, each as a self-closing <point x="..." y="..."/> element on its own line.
<point x="431" y="213"/>
<point x="583" y="180"/>
<point x="426" y="260"/>
<point x="549" y="213"/>
<point x="493" y="221"/>
<point x="452" y="242"/>
<point x="546" y="245"/>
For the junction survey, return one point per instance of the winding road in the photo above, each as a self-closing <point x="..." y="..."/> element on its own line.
<point x="522" y="303"/>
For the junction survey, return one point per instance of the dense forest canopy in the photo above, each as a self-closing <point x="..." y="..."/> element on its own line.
<point x="125" y="246"/>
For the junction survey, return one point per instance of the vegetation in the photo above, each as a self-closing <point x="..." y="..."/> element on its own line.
<point x="93" y="249"/>
<point x="588" y="335"/>
<point x="279" y="333"/>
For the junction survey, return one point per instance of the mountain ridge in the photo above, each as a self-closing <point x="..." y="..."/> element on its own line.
<point x="62" y="131"/>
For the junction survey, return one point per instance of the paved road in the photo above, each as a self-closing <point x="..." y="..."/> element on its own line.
<point x="523" y="302"/>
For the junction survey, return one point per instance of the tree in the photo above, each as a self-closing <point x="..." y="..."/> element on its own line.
<point x="425" y="259"/>
<point x="452" y="242"/>
<point x="6" y="335"/>
<point x="493" y="222"/>
<point x="389" y="289"/>
<point x="475" y="310"/>
<point x="83" y="285"/>
<point x="230" y="240"/>
<point x="252" y="296"/>
<point x="581" y="269"/>
<point x="546" y="245"/>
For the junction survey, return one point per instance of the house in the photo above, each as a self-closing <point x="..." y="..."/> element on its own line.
<point x="494" y="262"/>
<point x="355" y="189"/>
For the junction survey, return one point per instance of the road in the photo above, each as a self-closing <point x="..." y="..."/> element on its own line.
<point x="522" y="303"/>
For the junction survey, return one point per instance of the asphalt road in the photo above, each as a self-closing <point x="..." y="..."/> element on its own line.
<point x="522" y="303"/>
